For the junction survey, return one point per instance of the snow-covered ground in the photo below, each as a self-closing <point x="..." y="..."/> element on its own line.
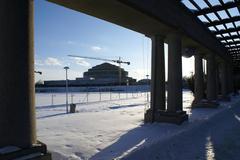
<point x="218" y="138"/>
<point x="109" y="129"/>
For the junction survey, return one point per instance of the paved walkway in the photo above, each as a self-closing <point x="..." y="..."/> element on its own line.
<point x="216" y="139"/>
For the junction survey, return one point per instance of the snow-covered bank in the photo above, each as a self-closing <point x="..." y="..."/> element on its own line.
<point x="108" y="130"/>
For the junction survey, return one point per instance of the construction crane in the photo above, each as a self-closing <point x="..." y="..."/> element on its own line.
<point x="39" y="72"/>
<point x="118" y="61"/>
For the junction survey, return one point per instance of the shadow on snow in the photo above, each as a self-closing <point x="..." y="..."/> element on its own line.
<point x="217" y="138"/>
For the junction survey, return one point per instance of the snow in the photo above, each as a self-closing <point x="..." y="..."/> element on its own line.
<point x="218" y="138"/>
<point x="109" y="129"/>
<point x="85" y="133"/>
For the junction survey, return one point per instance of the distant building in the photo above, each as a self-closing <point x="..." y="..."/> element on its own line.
<point x="103" y="74"/>
<point x="107" y="72"/>
<point x="144" y="82"/>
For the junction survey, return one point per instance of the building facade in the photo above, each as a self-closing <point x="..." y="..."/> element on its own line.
<point x="103" y="74"/>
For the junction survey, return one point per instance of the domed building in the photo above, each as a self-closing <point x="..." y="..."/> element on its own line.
<point x="107" y="73"/>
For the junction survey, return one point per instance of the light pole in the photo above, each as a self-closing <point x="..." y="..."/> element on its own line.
<point x="148" y="82"/>
<point x="53" y="95"/>
<point x="66" y="68"/>
<point x="72" y="98"/>
<point x="127" y="83"/>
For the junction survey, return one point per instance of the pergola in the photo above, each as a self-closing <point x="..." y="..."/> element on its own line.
<point x="222" y="18"/>
<point x="211" y="27"/>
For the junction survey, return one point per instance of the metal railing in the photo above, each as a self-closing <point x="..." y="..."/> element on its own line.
<point x="53" y="99"/>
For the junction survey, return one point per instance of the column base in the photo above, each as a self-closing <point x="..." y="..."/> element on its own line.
<point x="205" y="104"/>
<point x="166" y="117"/>
<point x="171" y="117"/>
<point x="224" y="98"/>
<point x="236" y="93"/>
<point x="195" y="102"/>
<point x="148" y="116"/>
<point x="36" y="152"/>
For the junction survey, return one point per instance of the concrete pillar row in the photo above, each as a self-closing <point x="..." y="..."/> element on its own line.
<point x="211" y="78"/>
<point x="174" y="100"/>
<point x="158" y="74"/>
<point x="198" y="79"/>
<point x="223" y="79"/>
<point x="158" y="98"/>
<point x="230" y="78"/>
<point x="17" y="106"/>
<point x="158" y="111"/>
<point x="217" y="79"/>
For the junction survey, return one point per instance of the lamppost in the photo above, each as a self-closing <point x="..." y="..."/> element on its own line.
<point x="127" y="83"/>
<point x="148" y="83"/>
<point x="66" y="68"/>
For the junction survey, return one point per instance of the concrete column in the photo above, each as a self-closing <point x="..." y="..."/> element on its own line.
<point x="217" y="79"/>
<point x="158" y="74"/>
<point x="230" y="78"/>
<point x="211" y="78"/>
<point x="17" y="107"/>
<point x="198" y="79"/>
<point x="174" y="73"/>
<point x="223" y="79"/>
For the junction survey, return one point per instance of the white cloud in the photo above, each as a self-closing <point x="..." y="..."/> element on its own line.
<point x="81" y="61"/>
<point x="138" y="73"/>
<point x="96" y="48"/>
<point x="71" y="42"/>
<point x="52" y="73"/>
<point x="39" y="63"/>
<point x="52" y="61"/>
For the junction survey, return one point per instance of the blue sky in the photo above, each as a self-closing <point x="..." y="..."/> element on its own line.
<point x="60" y="31"/>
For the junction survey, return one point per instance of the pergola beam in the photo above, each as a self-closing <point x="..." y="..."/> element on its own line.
<point x="233" y="48"/>
<point x="217" y="8"/>
<point x="227" y="31"/>
<point x="237" y="43"/>
<point x="225" y="36"/>
<point x="224" y="21"/>
<point x="235" y="53"/>
<point x="228" y="37"/>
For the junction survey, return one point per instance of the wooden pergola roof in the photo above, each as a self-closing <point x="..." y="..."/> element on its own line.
<point x="222" y="18"/>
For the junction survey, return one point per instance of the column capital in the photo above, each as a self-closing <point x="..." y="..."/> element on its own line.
<point x="210" y="55"/>
<point x="188" y="51"/>
<point x="157" y="36"/>
<point x="173" y="35"/>
<point x="201" y="54"/>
